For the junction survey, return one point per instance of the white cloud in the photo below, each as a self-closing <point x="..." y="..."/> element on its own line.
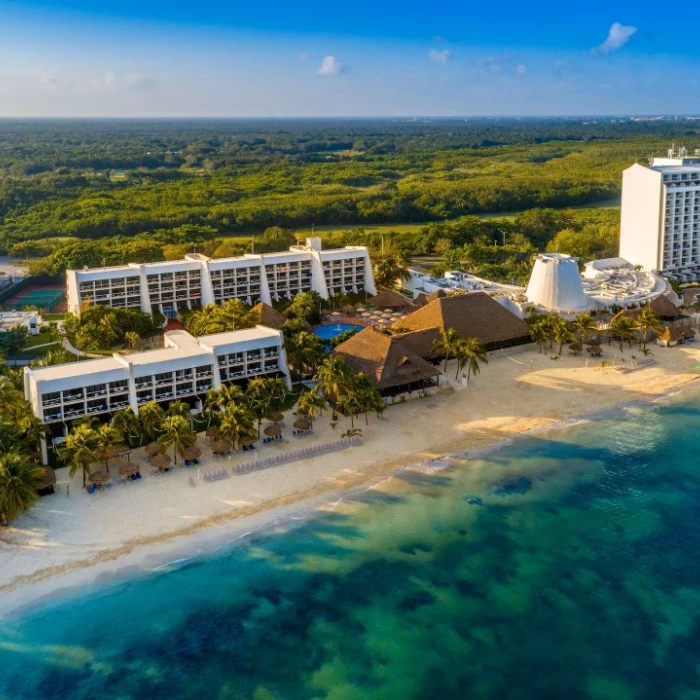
<point x="330" y="66"/>
<point x="618" y="36"/>
<point x="439" y="56"/>
<point x="521" y="69"/>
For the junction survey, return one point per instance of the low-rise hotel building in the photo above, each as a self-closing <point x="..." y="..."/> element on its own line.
<point x="169" y="287"/>
<point x="185" y="369"/>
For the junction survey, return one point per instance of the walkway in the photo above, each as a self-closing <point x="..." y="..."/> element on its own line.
<point x="79" y="353"/>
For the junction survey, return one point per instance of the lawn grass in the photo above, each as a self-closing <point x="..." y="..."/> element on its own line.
<point x="39" y="339"/>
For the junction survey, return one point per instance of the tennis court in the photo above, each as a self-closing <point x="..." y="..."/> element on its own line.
<point x="42" y="297"/>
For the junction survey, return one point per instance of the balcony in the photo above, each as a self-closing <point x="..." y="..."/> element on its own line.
<point x="70" y="398"/>
<point x="51" y="402"/>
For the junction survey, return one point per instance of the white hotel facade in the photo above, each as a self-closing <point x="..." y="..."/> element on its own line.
<point x="660" y="218"/>
<point x="197" y="280"/>
<point x="185" y="369"/>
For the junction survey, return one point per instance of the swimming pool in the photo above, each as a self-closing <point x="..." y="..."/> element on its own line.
<point x="331" y="330"/>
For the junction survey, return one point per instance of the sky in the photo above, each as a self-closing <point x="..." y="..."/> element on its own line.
<point x="151" y="58"/>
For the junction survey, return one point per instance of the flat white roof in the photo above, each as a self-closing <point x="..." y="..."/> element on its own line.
<point x="108" y="272"/>
<point x="193" y="261"/>
<point x="78" y="370"/>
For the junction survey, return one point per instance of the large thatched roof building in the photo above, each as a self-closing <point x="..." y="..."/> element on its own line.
<point x="390" y="362"/>
<point x="472" y="316"/>
<point x="268" y="316"/>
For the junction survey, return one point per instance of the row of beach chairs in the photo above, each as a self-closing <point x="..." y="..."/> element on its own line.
<point x="287" y="457"/>
<point x="633" y="365"/>
<point x="216" y="475"/>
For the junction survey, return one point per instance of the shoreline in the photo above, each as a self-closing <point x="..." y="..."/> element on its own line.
<point x="205" y="536"/>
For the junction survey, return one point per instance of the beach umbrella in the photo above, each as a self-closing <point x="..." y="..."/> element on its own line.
<point x="127" y="468"/>
<point x="359" y="307"/>
<point x="277" y="417"/>
<point x="575" y="347"/>
<point x="388" y="311"/>
<point x="366" y="314"/>
<point x="212" y="431"/>
<point x="191" y="452"/>
<point x="48" y="478"/>
<point x="221" y="447"/>
<point x="118" y="451"/>
<point x="247" y="441"/>
<point x="273" y="431"/>
<point x="99" y="477"/>
<point x="302" y="424"/>
<point x="153" y="449"/>
<point x="161" y="461"/>
<point x="325" y="312"/>
<point x="335" y="313"/>
<point x="348" y="309"/>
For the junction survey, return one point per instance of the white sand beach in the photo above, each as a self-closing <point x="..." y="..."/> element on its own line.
<point x="71" y="537"/>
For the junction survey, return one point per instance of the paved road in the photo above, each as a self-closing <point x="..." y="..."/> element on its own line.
<point x="11" y="267"/>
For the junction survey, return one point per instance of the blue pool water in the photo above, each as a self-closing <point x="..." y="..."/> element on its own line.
<point x="564" y="566"/>
<point x="331" y="330"/>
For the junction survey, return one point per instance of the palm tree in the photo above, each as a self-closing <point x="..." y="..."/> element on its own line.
<point x="561" y="332"/>
<point x="305" y="351"/>
<point x="473" y="351"/>
<point x="390" y="269"/>
<point x="127" y="424"/>
<point x="79" y="449"/>
<point x="447" y="343"/>
<point x="368" y="396"/>
<point x="132" y="339"/>
<point x="106" y="436"/>
<point x="351" y="433"/>
<point x="237" y="422"/>
<point x="151" y="416"/>
<point x="311" y="403"/>
<point x="57" y="356"/>
<point x="538" y="333"/>
<point x="109" y="329"/>
<point x="180" y="408"/>
<point x="19" y="481"/>
<point x="176" y="433"/>
<point x="645" y="322"/>
<point x="584" y="325"/>
<point x="263" y="396"/>
<point x="333" y="376"/>
<point x="624" y="328"/>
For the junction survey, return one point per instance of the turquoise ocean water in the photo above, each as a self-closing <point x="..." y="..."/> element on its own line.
<point x="565" y="566"/>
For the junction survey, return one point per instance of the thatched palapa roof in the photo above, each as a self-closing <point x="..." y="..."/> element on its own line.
<point x="391" y="299"/>
<point x="675" y="334"/>
<point x="662" y="306"/>
<point x="474" y="315"/>
<point x="387" y="360"/>
<point x="268" y="316"/>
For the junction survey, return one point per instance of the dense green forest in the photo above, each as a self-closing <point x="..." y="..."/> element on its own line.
<point x="95" y="179"/>
<point x="109" y="191"/>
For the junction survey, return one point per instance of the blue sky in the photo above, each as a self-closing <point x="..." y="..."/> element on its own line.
<point x="152" y="58"/>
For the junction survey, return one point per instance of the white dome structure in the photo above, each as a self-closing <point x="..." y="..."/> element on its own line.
<point x="555" y="284"/>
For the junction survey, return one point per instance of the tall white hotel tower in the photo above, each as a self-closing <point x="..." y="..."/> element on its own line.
<point x="660" y="220"/>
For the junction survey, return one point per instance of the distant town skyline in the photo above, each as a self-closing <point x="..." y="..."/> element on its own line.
<point x="129" y="59"/>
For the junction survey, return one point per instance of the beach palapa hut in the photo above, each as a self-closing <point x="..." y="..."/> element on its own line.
<point x="388" y="361"/>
